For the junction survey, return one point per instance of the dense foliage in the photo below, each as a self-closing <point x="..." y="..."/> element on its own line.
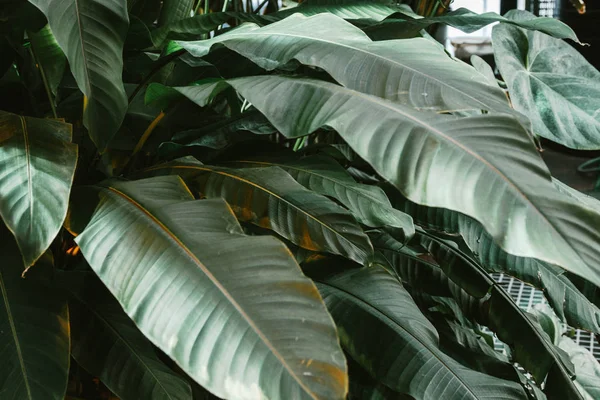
<point x="199" y="199"/>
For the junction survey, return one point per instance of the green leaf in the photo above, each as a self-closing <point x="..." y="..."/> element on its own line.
<point x="92" y="34"/>
<point x="272" y="199"/>
<point x="38" y="163"/>
<point x="413" y="72"/>
<point x="484" y="166"/>
<point x="586" y="367"/>
<point x="34" y="331"/>
<point x="192" y="284"/>
<point x="109" y="345"/>
<point x="403" y="25"/>
<point x="396" y="344"/>
<point x="50" y="58"/>
<point x="551" y="83"/>
<point x="323" y="175"/>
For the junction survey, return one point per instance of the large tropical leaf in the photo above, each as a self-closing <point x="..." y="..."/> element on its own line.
<point x="405" y="25"/>
<point x="34" y="331"/>
<point x="552" y="83"/>
<point x="397" y="344"/>
<point x="323" y="175"/>
<point x="235" y="312"/>
<point x="50" y="58"/>
<point x="484" y="166"/>
<point x="415" y="72"/>
<point x="109" y="345"/>
<point x="272" y="199"/>
<point x="92" y="34"/>
<point x="37" y="160"/>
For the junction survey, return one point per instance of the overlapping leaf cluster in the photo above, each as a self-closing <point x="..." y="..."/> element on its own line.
<point x="199" y="200"/>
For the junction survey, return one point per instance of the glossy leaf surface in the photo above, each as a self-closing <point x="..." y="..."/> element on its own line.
<point x="38" y="163"/>
<point x="272" y="199"/>
<point x="234" y="311"/>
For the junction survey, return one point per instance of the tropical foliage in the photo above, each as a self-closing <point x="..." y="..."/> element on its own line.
<point x="203" y="200"/>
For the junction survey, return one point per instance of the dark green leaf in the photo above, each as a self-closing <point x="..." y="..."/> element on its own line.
<point x="34" y="331"/>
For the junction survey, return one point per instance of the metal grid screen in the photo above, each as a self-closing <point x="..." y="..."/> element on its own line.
<point x="526" y="297"/>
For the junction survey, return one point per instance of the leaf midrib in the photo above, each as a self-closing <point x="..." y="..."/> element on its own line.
<point x="218" y="285"/>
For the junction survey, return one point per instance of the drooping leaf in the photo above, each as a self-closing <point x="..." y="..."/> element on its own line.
<point x="193" y="280"/>
<point x="551" y="83"/>
<point x="586" y="367"/>
<point x="34" y="331"/>
<point x="50" y="58"/>
<point x="414" y="72"/>
<point x="272" y="199"/>
<point x="323" y="175"/>
<point x="396" y="344"/>
<point x="484" y="166"/>
<point x="37" y="160"/>
<point x="109" y="345"/>
<point x="403" y="25"/>
<point x="92" y="34"/>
